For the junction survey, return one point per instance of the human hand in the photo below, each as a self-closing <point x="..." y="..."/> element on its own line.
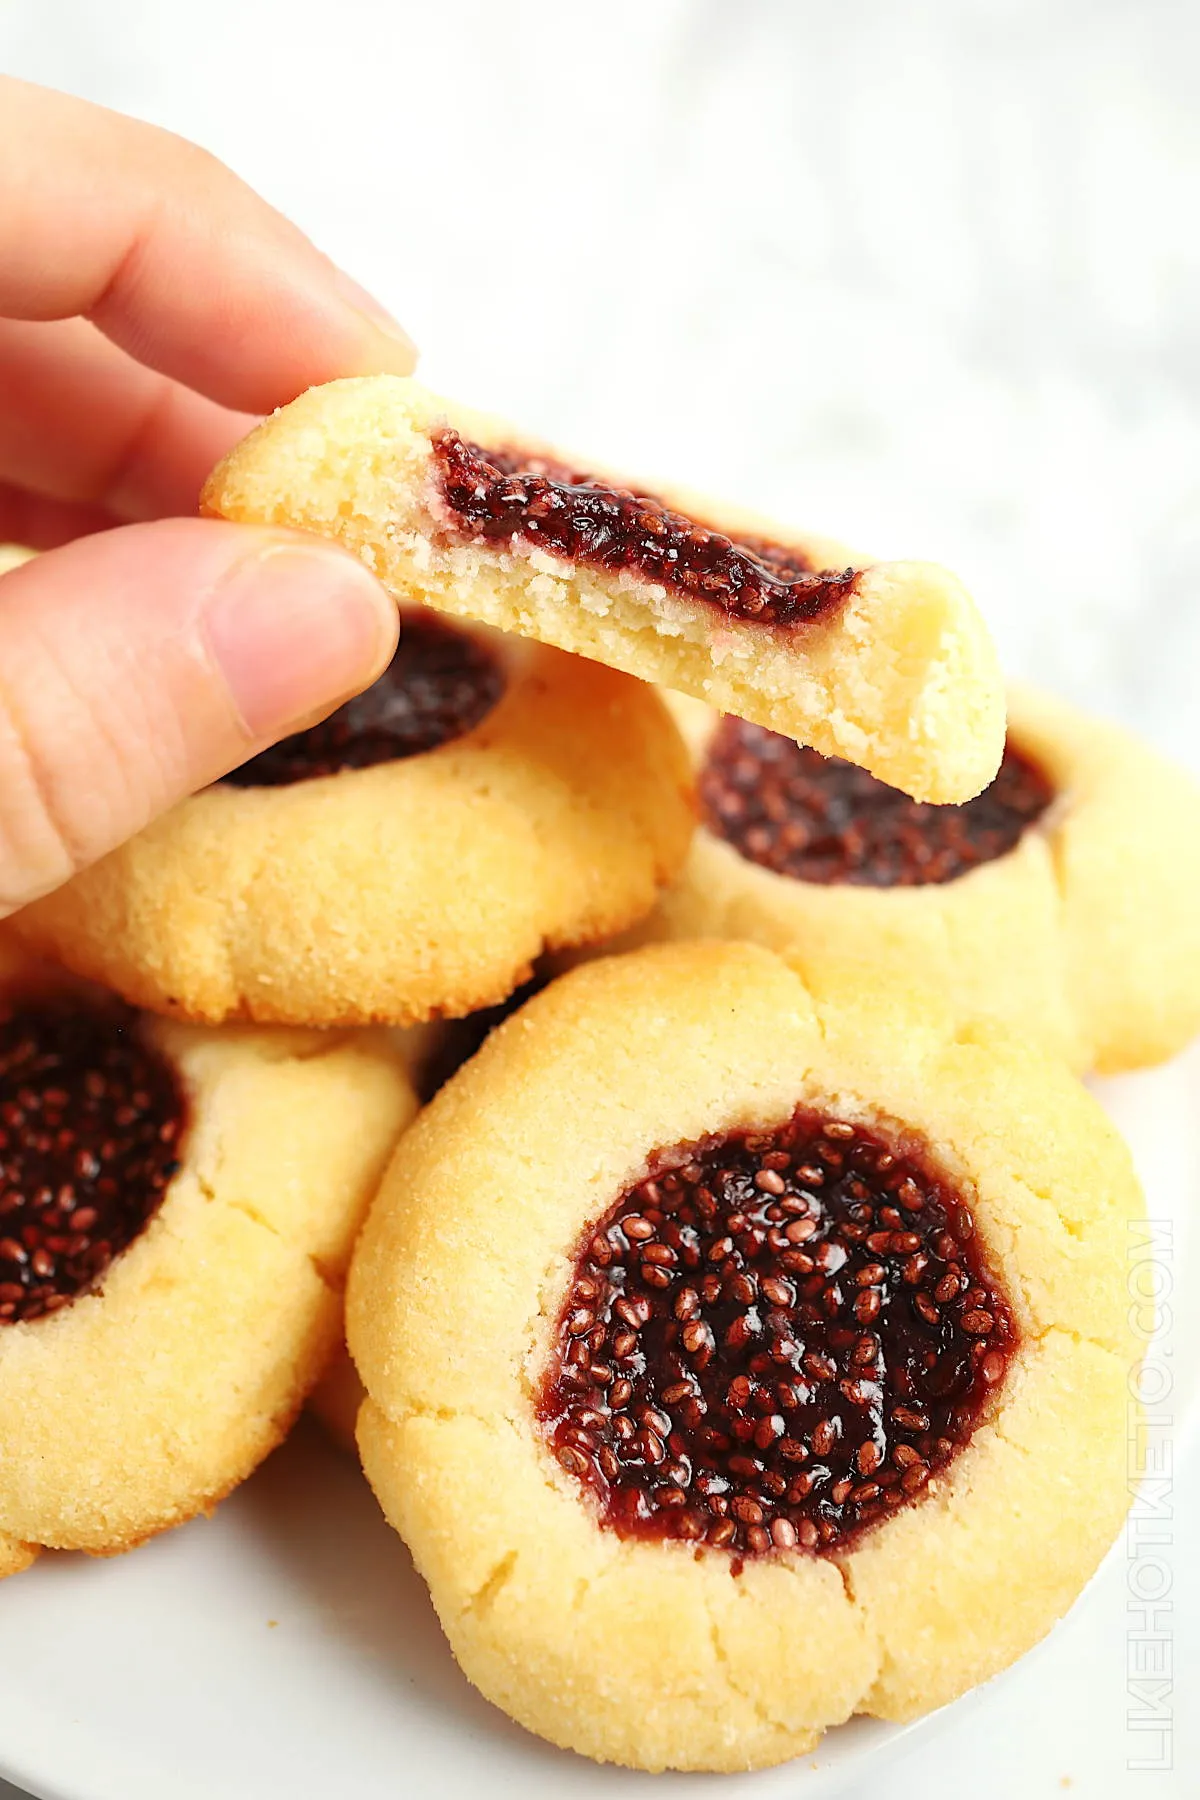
<point x="150" y="305"/>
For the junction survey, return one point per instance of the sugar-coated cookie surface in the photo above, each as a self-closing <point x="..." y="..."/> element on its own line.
<point x="431" y="1053"/>
<point x="720" y="1642"/>
<point x="14" y="1557"/>
<point x="145" y="1397"/>
<point x="887" y="664"/>
<point x="1082" y="932"/>
<point x="417" y="883"/>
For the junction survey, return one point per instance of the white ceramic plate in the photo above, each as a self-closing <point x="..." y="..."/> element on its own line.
<point x="287" y="1649"/>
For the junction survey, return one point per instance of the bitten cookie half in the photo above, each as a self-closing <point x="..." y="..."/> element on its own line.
<point x="486" y="799"/>
<point x="1061" y="900"/>
<point x="177" y="1208"/>
<point x="745" y="1352"/>
<point x="888" y="664"/>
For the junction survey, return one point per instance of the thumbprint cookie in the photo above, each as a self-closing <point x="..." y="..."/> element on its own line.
<point x="744" y="1351"/>
<point x="432" y="1053"/>
<point x="888" y="664"/>
<point x="1061" y="899"/>
<point x="407" y="858"/>
<point x="177" y="1209"/>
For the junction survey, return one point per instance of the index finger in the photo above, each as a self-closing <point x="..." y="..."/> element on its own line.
<point x="173" y="258"/>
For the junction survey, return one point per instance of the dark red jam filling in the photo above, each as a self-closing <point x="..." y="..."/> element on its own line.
<point x="440" y="684"/>
<point x="499" y="494"/>
<point x="819" y="819"/>
<point x="775" y="1340"/>
<point x="91" y="1123"/>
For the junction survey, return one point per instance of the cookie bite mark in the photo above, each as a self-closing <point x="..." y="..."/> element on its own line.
<point x="885" y="663"/>
<point x="819" y="819"/>
<point x="774" y="1340"/>
<point x="92" y="1121"/>
<point x="500" y="494"/>
<point x="440" y="685"/>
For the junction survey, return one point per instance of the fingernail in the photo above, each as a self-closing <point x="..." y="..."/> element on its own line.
<point x="373" y="310"/>
<point x="296" y="629"/>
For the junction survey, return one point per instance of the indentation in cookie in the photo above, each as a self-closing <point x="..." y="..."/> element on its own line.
<point x="497" y="494"/>
<point x="440" y="684"/>
<point x="91" y="1122"/>
<point x="819" y="819"/>
<point x="774" y="1340"/>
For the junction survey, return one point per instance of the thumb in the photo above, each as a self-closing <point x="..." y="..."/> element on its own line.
<point x="141" y="664"/>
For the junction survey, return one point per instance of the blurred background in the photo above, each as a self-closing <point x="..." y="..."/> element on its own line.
<point x="920" y="274"/>
<point x="916" y="274"/>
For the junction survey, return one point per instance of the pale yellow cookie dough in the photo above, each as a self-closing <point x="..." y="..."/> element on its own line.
<point x="146" y="1400"/>
<point x="431" y="1053"/>
<point x="1086" y="935"/>
<point x="14" y="1557"/>
<point x="903" y="680"/>
<point x="418" y="887"/>
<point x="634" y="1650"/>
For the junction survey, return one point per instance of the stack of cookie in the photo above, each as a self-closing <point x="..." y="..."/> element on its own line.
<point x="745" y="1286"/>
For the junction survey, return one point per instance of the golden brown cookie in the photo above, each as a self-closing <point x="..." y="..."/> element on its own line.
<point x="408" y="857"/>
<point x="431" y="1053"/>
<point x="177" y="1208"/>
<point x="888" y="664"/>
<point x="1061" y="900"/>
<point x="14" y="1557"/>
<point x="743" y="1353"/>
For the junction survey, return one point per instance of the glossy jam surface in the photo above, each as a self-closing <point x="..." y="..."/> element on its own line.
<point x="498" y="494"/>
<point x="91" y="1123"/>
<point x="819" y="819"/>
<point x="775" y="1340"/>
<point x="440" y="684"/>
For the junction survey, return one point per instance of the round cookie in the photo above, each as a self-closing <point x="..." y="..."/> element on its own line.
<point x="745" y="1352"/>
<point x="407" y="858"/>
<point x="177" y="1209"/>
<point x="432" y="1054"/>
<point x="888" y="664"/>
<point x="1060" y="901"/>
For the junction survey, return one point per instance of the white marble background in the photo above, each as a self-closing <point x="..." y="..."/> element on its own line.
<point x="923" y="274"/>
